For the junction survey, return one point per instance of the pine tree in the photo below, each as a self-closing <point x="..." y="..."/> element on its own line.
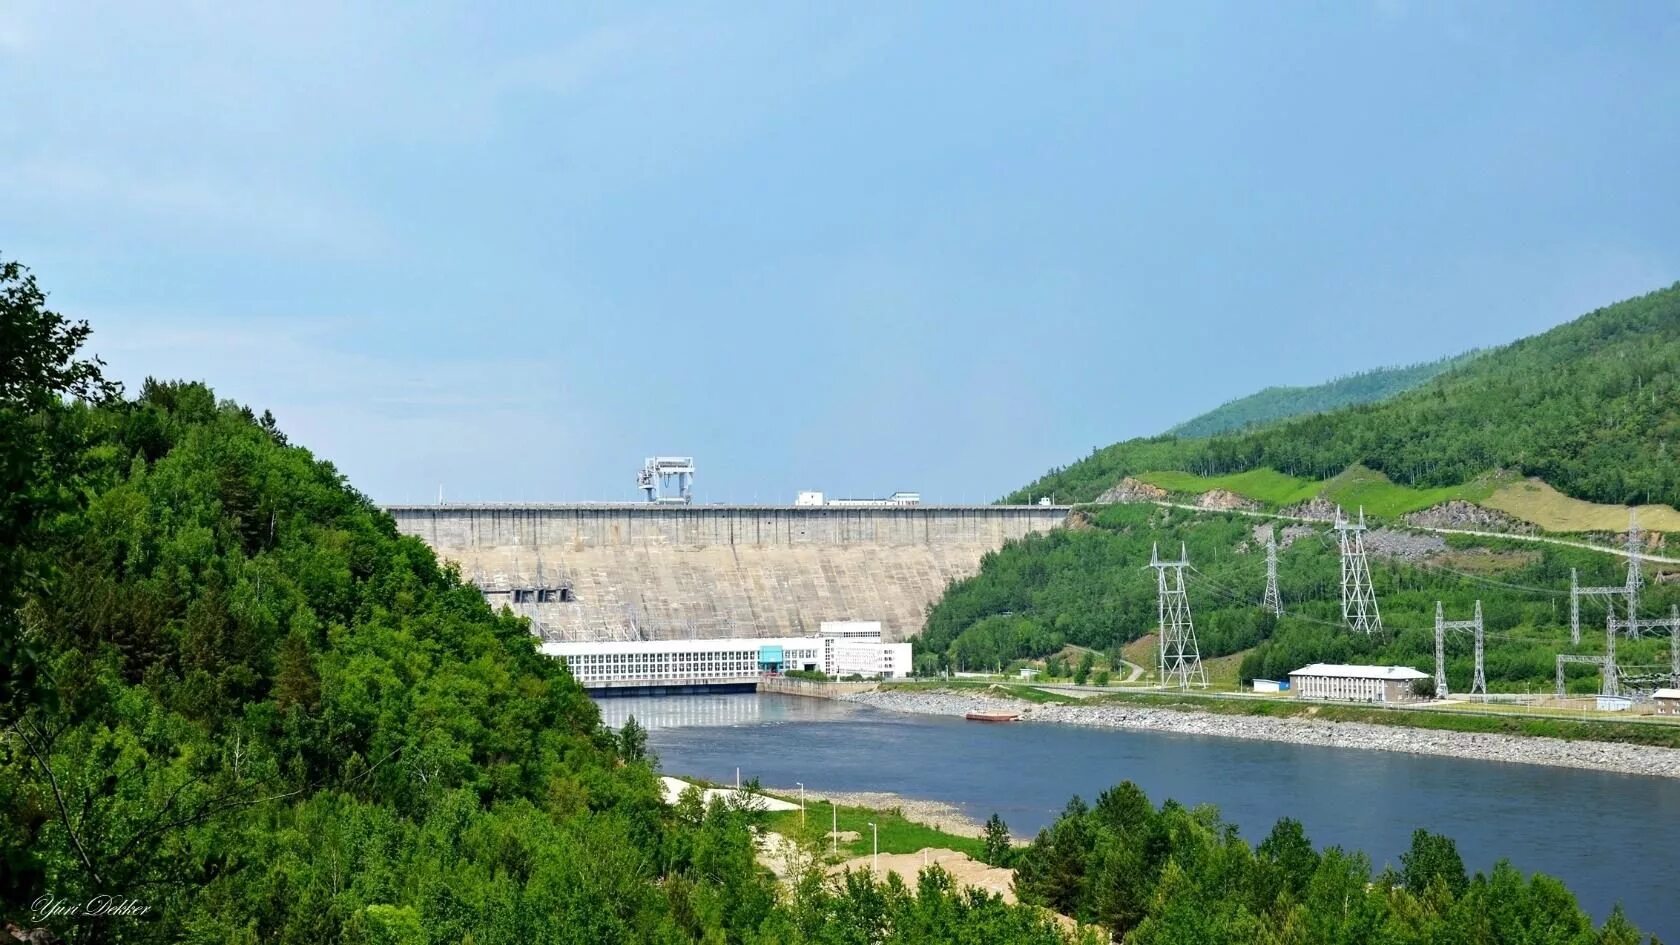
<point x="997" y="843"/>
<point x="632" y="740"/>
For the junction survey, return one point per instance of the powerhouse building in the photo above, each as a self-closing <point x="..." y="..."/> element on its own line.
<point x="842" y="648"/>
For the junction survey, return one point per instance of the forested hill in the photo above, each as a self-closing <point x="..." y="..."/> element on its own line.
<point x="236" y="702"/>
<point x="1282" y="403"/>
<point x="1592" y="407"/>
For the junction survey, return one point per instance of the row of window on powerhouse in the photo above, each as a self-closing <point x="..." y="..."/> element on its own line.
<point x="1341" y="688"/>
<point x="680" y="665"/>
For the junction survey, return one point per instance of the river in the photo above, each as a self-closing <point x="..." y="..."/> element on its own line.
<point x="1610" y="837"/>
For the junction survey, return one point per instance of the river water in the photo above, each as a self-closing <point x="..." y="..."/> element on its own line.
<point x="1610" y="837"/>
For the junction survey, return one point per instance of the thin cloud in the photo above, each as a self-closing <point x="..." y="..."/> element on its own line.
<point x="206" y="208"/>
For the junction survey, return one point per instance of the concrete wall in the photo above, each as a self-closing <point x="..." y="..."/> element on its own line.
<point x="718" y="571"/>
<point x="815" y="689"/>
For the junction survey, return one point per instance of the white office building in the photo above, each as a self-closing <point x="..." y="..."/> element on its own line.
<point x="1356" y="683"/>
<point x="855" y="648"/>
<point x="870" y="659"/>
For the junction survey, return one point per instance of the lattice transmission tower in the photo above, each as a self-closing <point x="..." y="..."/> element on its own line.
<point x="1359" y="597"/>
<point x="1180" y="658"/>
<point x="1478" y="681"/>
<point x="1272" y="602"/>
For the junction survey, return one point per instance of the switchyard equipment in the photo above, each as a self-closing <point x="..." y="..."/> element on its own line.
<point x="1632" y="626"/>
<point x="1359" y="597"/>
<point x="1180" y="658"/>
<point x="657" y="474"/>
<point x="1563" y="658"/>
<point x="1478" y="682"/>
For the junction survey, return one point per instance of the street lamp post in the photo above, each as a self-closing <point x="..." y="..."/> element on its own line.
<point x="801" y="803"/>
<point x="875" y="860"/>
<point x="834" y="835"/>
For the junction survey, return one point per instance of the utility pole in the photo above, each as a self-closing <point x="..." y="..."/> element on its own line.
<point x="1478" y="681"/>
<point x="1272" y="601"/>
<point x="1180" y="659"/>
<point x="1359" y="598"/>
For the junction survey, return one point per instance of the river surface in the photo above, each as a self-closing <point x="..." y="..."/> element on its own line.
<point x="1611" y="837"/>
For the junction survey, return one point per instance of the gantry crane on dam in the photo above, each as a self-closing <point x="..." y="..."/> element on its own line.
<point x="657" y="473"/>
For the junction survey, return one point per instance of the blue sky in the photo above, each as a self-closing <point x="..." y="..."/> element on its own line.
<point x="942" y="247"/>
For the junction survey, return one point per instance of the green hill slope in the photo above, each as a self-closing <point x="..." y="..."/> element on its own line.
<point x="1592" y="407"/>
<point x="1282" y="403"/>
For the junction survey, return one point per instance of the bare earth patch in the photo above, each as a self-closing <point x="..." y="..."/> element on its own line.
<point x="966" y="870"/>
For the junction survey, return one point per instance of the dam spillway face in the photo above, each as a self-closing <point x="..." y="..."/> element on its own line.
<point x="604" y="572"/>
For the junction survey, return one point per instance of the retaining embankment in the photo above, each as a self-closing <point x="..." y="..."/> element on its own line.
<point x="1301" y="730"/>
<point x="814" y="688"/>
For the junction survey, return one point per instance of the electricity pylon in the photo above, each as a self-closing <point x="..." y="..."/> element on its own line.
<point x="1180" y="659"/>
<point x="1478" y="682"/>
<point x="1635" y="574"/>
<point x="1359" y="598"/>
<point x="1272" y="601"/>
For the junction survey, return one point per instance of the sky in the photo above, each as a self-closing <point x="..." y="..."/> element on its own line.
<point x="509" y="251"/>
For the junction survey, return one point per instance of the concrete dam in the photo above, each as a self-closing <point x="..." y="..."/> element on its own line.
<point x="652" y="571"/>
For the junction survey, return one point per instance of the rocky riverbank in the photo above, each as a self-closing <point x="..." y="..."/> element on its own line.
<point x="1517" y="749"/>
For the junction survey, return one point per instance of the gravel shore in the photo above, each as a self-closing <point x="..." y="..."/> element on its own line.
<point x="1516" y="749"/>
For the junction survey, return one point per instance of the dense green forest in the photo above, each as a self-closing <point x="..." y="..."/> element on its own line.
<point x="1281" y="403"/>
<point x="1592" y="407"/>
<point x="1089" y="585"/>
<point x="1179" y="876"/>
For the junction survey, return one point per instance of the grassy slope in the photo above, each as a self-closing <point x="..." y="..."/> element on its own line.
<point x="1281" y="403"/>
<point x="1592" y="406"/>
<point x="1356" y="487"/>
<point x="1529" y="500"/>
<point x="1534" y="501"/>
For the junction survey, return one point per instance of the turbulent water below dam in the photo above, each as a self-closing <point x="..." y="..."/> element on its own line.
<point x="1610" y="837"/>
